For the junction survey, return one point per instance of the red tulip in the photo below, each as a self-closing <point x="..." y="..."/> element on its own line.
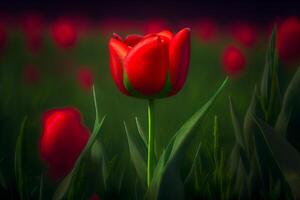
<point x="63" y="138"/>
<point x="33" y="29"/>
<point x="233" y="61"/>
<point x="245" y="34"/>
<point x="155" y="25"/>
<point x="150" y="66"/>
<point x="94" y="197"/>
<point x="206" y="30"/>
<point x="3" y="37"/>
<point x="288" y="40"/>
<point x="31" y="74"/>
<point x="85" y="78"/>
<point x="64" y="34"/>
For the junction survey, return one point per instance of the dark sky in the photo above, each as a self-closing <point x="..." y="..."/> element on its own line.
<point x="259" y="11"/>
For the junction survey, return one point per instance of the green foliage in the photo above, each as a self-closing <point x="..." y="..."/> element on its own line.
<point x="267" y="164"/>
<point x="71" y="186"/>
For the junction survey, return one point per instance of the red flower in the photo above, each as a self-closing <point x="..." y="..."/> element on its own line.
<point x="288" y="40"/>
<point x="63" y="138"/>
<point x="150" y="66"/>
<point x="245" y="34"/>
<point x="31" y="74"/>
<point x="33" y="29"/>
<point x="233" y="61"/>
<point x="3" y="37"/>
<point x="206" y="30"/>
<point x="64" y="34"/>
<point x="94" y="197"/>
<point x="155" y="25"/>
<point x="85" y="78"/>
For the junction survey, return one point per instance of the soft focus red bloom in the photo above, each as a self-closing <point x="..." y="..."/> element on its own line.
<point x="31" y="74"/>
<point x="154" y="65"/>
<point x="206" y="30"/>
<point x="155" y="25"/>
<point x="94" y="197"/>
<point x="245" y="34"/>
<point x="3" y="37"/>
<point x="288" y="40"/>
<point x="233" y="61"/>
<point x="33" y="29"/>
<point x="85" y="78"/>
<point x="64" y="34"/>
<point x="63" y="138"/>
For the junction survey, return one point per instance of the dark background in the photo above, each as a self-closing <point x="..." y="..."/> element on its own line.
<point x="259" y="11"/>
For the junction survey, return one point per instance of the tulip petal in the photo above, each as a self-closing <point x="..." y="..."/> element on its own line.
<point x="146" y="66"/>
<point x="132" y="40"/>
<point x="166" y="34"/>
<point x="179" y="57"/>
<point x="118" y="51"/>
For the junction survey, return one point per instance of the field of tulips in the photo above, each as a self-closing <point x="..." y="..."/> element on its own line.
<point x="126" y="109"/>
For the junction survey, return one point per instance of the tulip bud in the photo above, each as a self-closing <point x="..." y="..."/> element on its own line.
<point x="33" y="30"/>
<point x="64" y="34"/>
<point x="288" y="41"/>
<point x="151" y="66"/>
<point x="63" y="138"/>
<point x="85" y="78"/>
<point x="233" y="61"/>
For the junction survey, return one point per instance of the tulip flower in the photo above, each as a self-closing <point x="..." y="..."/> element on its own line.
<point x="64" y="34"/>
<point x="233" y="61"/>
<point x="150" y="66"/>
<point x="245" y="34"/>
<point x="63" y="138"/>
<point x="206" y="30"/>
<point x="288" y="40"/>
<point x="33" y="29"/>
<point x="31" y="74"/>
<point x="3" y="37"/>
<point x="85" y="78"/>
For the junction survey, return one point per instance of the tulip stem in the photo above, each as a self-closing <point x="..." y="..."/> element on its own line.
<point x="151" y="137"/>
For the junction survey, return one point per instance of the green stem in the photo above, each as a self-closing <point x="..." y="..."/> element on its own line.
<point x="151" y="136"/>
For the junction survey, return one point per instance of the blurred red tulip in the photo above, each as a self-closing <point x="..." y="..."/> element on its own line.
<point x="63" y="138"/>
<point x="155" y="25"/>
<point x="64" y="33"/>
<point x="85" y="78"/>
<point x="94" y="197"/>
<point x="33" y="29"/>
<point x="206" y="30"/>
<point x="245" y="34"/>
<point x="151" y="66"/>
<point x="288" y="40"/>
<point x="31" y="74"/>
<point x="3" y="37"/>
<point x="233" y="61"/>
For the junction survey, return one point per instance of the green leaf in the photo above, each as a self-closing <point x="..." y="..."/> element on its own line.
<point x="236" y="125"/>
<point x="68" y="185"/>
<point x="249" y="124"/>
<point x="269" y="90"/>
<point x="166" y="182"/>
<point x="21" y="181"/>
<point x="138" y="154"/>
<point x="41" y="187"/>
<point x="190" y="177"/>
<point x="285" y="156"/>
<point x="141" y="131"/>
<point x="291" y="98"/>
<point x="2" y="181"/>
